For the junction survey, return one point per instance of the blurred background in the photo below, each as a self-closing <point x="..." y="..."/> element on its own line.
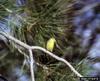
<point x="75" y="25"/>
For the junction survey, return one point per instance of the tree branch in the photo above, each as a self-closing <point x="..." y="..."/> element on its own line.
<point x="30" y="48"/>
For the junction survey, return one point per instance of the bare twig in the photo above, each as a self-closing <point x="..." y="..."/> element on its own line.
<point x="30" y="48"/>
<point x="31" y="65"/>
<point x="23" y="53"/>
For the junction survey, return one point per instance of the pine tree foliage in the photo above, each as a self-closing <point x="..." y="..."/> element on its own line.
<point x="34" y="22"/>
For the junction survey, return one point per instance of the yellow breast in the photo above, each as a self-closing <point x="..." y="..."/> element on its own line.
<point x="50" y="44"/>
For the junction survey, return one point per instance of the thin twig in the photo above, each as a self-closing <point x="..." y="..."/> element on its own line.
<point x="31" y="65"/>
<point x="23" y="53"/>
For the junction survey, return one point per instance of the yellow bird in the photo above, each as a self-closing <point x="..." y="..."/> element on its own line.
<point x="50" y="44"/>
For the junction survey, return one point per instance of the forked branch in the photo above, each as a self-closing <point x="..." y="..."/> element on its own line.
<point x="30" y="48"/>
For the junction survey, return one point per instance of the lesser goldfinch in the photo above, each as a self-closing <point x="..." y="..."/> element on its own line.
<point x="50" y="44"/>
